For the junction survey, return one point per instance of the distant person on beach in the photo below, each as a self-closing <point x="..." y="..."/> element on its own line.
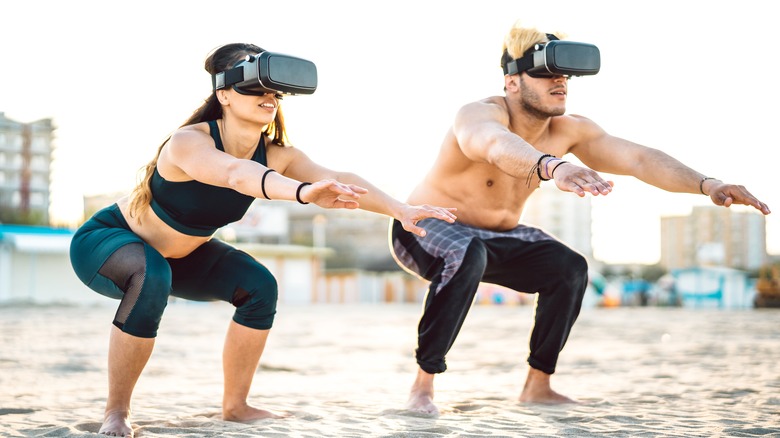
<point x="158" y="241"/>
<point x="495" y="155"/>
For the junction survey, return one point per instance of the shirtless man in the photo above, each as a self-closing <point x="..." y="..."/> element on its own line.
<point x="491" y="160"/>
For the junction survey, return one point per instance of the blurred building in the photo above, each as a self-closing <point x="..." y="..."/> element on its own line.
<point x="93" y="203"/>
<point x="564" y="215"/>
<point x="359" y="238"/>
<point x="25" y="166"/>
<point x="714" y="236"/>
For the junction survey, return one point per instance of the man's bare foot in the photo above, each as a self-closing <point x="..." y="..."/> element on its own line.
<point x="248" y="413"/>
<point x="548" y="397"/>
<point x="421" y="402"/>
<point x="117" y="423"/>
<point x="537" y="390"/>
<point x="421" y="395"/>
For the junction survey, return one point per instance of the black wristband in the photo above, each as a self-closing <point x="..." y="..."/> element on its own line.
<point x="298" y="192"/>
<point x="701" y="184"/>
<point x="552" y="173"/>
<point x="262" y="182"/>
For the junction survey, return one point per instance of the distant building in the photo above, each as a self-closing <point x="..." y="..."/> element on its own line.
<point x="563" y="215"/>
<point x="714" y="236"/>
<point x="94" y="203"/>
<point x="25" y="167"/>
<point x="359" y="238"/>
<point x="35" y="268"/>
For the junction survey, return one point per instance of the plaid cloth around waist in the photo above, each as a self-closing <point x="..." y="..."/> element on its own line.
<point x="450" y="241"/>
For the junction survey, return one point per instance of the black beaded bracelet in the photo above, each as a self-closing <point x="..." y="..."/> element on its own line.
<point x="262" y="182"/>
<point x="298" y="192"/>
<point x="701" y="184"/>
<point x="539" y="165"/>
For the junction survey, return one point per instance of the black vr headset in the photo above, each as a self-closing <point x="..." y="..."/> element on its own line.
<point x="557" y="58"/>
<point x="269" y="72"/>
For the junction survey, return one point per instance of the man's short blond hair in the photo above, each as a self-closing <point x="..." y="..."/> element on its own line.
<point x="520" y="38"/>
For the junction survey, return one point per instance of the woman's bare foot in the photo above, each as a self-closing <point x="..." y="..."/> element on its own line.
<point x="117" y="423"/>
<point x="537" y="390"/>
<point x="248" y="413"/>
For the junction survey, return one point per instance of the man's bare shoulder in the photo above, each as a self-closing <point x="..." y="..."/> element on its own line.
<point x="489" y="108"/>
<point x="574" y="123"/>
<point x="495" y="101"/>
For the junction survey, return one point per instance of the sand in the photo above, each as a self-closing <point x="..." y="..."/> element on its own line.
<point x="345" y="371"/>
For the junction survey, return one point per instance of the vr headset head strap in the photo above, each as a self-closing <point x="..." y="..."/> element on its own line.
<point x="526" y="61"/>
<point x="227" y="78"/>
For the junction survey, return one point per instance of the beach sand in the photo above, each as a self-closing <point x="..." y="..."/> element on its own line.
<point x="345" y="371"/>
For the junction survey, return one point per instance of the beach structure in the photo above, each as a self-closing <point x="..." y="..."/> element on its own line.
<point x="35" y="268"/>
<point x="714" y="287"/>
<point x="768" y="287"/>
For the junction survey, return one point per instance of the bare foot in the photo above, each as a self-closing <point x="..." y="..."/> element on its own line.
<point x="248" y="413"/>
<point x="422" y="402"/>
<point x="117" y="423"/>
<point x="537" y="390"/>
<point x="421" y="395"/>
<point x="548" y="397"/>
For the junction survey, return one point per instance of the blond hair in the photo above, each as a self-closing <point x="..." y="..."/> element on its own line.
<point x="519" y="39"/>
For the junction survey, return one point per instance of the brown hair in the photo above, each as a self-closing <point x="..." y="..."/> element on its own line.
<point x="220" y="59"/>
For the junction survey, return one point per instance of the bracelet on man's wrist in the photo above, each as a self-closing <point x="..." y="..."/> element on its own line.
<point x="701" y="184"/>
<point x="538" y="166"/>
<point x="552" y="174"/>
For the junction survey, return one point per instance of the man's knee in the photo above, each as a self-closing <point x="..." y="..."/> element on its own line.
<point x="571" y="266"/>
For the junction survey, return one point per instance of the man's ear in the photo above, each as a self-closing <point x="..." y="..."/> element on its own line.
<point x="512" y="83"/>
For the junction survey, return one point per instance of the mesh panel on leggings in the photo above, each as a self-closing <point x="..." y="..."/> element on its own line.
<point x="127" y="269"/>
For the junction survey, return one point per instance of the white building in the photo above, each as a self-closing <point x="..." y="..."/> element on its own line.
<point x="25" y="166"/>
<point x="714" y="236"/>
<point x="563" y="214"/>
<point x="35" y="269"/>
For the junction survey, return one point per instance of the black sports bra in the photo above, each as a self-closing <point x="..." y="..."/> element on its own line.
<point x="198" y="209"/>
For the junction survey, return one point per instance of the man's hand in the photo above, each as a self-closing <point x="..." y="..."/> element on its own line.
<point x="727" y="194"/>
<point x="580" y="180"/>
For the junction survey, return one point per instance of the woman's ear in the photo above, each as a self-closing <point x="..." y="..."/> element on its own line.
<point x="222" y="96"/>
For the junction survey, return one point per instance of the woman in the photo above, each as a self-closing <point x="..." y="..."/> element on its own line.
<point x="158" y="240"/>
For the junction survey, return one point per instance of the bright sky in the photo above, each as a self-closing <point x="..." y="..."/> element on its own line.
<point x="692" y="78"/>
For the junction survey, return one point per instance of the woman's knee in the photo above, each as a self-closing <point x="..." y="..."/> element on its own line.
<point x="147" y="292"/>
<point x="255" y="299"/>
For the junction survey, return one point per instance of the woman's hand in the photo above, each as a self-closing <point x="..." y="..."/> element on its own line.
<point x="329" y="193"/>
<point x="411" y="214"/>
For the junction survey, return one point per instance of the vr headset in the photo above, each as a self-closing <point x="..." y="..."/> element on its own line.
<point x="269" y="72"/>
<point x="557" y="58"/>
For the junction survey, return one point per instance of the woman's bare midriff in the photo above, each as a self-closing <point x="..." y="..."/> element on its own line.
<point x="167" y="241"/>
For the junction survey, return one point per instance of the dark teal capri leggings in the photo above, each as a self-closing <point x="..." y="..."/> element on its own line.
<point x="113" y="261"/>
